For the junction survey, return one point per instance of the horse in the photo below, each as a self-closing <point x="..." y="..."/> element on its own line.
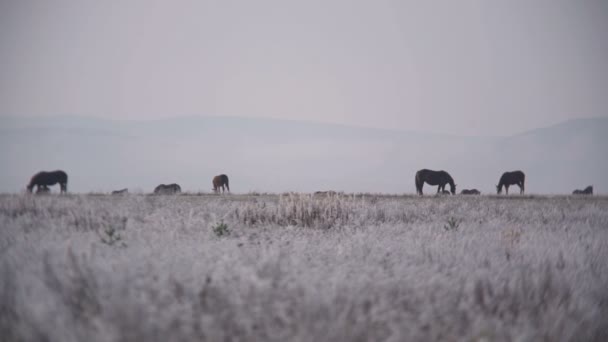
<point x="325" y="193"/>
<point x="470" y="192"/>
<point x="511" y="178"/>
<point x="120" y="192"/>
<point x="43" y="179"/>
<point x="440" y="178"/>
<point x="219" y="182"/>
<point x="587" y="191"/>
<point x="168" y="189"/>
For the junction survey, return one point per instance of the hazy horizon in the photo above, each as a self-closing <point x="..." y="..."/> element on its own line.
<point x="466" y="68"/>
<point x="269" y="155"/>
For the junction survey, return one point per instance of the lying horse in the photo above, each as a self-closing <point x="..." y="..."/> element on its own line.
<point x="219" y="182"/>
<point x="43" y="179"/>
<point x="168" y="189"/>
<point x="120" y="192"/>
<point x="470" y="192"/>
<point x="511" y="178"/>
<point x="587" y="191"/>
<point x="440" y="178"/>
<point x="43" y="190"/>
<point x="325" y="193"/>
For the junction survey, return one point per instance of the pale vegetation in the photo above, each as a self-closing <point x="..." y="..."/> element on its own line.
<point x="298" y="267"/>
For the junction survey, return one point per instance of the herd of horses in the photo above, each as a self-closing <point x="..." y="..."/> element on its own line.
<point x="42" y="180"/>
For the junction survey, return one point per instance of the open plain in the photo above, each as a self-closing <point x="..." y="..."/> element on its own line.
<point x="299" y="267"/>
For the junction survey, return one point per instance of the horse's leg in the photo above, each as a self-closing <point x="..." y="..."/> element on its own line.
<point x="507" y="189"/>
<point x="521" y="188"/>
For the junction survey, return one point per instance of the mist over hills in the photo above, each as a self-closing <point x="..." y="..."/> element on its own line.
<point x="269" y="155"/>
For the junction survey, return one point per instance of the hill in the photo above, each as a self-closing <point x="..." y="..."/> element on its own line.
<point x="277" y="155"/>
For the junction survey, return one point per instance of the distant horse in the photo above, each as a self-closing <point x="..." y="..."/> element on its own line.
<point x="219" y="182"/>
<point x="168" y="189"/>
<point x="43" y="179"/>
<point x="587" y="191"/>
<point x="511" y="178"/>
<point x="43" y="190"/>
<point x="440" y="178"/>
<point x="470" y="192"/>
<point x="325" y="193"/>
<point x="120" y="192"/>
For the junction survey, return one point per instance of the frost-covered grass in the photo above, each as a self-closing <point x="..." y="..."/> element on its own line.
<point x="303" y="268"/>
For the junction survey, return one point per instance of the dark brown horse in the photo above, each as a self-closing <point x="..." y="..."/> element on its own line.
<point x="440" y="178"/>
<point x="43" y="179"/>
<point x="220" y="181"/>
<point x="120" y="192"/>
<point x="511" y="178"/>
<point x="587" y="191"/>
<point x="168" y="189"/>
<point x="470" y="192"/>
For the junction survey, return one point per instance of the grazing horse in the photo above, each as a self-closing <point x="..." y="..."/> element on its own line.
<point x="470" y="192"/>
<point x="587" y="191"/>
<point x="43" y="179"/>
<point x="120" y="192"/>
<point x="219" y="182"/>
<point x="440" y="178"/>
<point x="168" y="189"/>
<point x="511" y="178"/>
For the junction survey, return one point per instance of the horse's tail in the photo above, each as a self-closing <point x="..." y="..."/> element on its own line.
<point x="418" y="183"/>
<point x="227" y="186"/>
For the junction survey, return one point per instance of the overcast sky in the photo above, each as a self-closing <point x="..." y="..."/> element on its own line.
<point x="461" y="67"/>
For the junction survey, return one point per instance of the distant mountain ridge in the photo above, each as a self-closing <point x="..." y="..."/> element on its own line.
<point x="280" y="155"/>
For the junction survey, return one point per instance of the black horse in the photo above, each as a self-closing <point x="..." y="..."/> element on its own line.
<point x="440" y="178"/>
<point x="511" y="178"/>
<point x="120" y="192"/>
<point x="587" y="191"/>
<point x="168" y="189"/>
<point x="470" y="192"/>
<point x="43" y="179"/>
<point x="219" y="182"/>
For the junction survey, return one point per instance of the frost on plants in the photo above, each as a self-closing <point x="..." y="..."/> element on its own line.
<point x="300" y="267"/>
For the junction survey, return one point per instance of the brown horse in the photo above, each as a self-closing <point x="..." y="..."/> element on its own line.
<point x="470" y="192"/>
<point x="43" y="190"/>
<point x="587" y="191"/>
<point x="220" y="181"/>
<point x="124" y="191"/>
<point x="511" y="178"/>
<point x="168" y="189"/>
<point x="43" y="179"/>
<point x="440" y="178"/>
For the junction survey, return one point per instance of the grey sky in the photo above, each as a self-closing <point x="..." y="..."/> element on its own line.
<point x="462" y="67"/>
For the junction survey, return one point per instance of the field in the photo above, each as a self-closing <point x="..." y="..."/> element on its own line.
<point x="296" y="267"/>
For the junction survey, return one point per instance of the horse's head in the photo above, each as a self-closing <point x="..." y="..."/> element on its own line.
<point x="498" y="189"/>
<point x="29" y="188"/>
<point x="453" y="188"/>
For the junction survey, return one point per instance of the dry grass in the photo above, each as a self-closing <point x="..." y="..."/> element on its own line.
<point x="303" y="268"/>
